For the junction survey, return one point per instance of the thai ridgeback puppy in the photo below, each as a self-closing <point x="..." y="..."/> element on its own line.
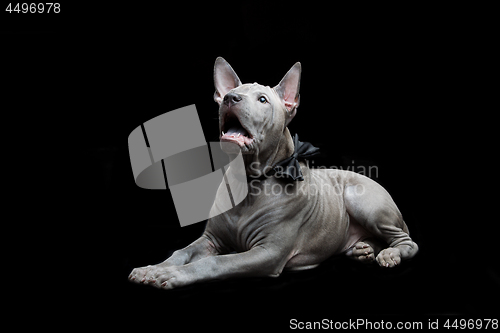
<point x="290" y="220"/>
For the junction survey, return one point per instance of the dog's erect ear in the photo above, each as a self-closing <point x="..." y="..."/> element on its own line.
<point x="288" y="90"/>
<point x="225" y="79"/>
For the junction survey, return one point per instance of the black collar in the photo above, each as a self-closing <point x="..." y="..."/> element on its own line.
<point x="289" y="168"/>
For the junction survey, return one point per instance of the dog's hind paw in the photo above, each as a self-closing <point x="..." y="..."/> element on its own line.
<point x="362" y="252"/>
<point x="389" y="257"/>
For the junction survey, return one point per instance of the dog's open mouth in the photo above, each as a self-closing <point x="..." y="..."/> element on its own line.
<point x="233" y="131"/>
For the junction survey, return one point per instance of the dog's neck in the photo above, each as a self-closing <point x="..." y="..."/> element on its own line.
<point x="261" y="162"/>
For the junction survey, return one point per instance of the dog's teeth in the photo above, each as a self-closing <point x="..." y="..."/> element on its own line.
<point x="222" y="133"/>
<point x="238" y="135"/>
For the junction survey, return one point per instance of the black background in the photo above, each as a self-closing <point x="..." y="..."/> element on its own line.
<point x="380" y="86"/>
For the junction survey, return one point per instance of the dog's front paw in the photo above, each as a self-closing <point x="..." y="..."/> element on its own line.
<point x="389" y="257"/>
<point x="138" y="275"/>
<point x="164" y="277"/>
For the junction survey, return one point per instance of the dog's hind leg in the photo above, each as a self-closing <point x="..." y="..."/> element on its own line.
<point x="365" y="251"/>
<point x="373" y="208"/>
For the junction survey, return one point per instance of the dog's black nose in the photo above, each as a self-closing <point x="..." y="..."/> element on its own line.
<point x="232" y="98"/>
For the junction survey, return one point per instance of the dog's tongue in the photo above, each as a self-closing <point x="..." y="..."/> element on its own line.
<point x="237" y="130"/>
<point x="237" y="134"/>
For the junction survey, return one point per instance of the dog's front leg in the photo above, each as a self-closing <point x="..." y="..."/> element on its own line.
<point x="197" y="250"/>
<point x="258" y="261"/>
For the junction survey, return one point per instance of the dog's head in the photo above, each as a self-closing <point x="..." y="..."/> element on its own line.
<point x="254" y="116"/>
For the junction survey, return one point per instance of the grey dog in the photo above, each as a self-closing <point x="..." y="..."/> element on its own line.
<point x="324" y="213"/>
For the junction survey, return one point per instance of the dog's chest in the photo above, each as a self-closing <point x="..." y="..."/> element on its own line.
<point x="253" y="220"/>
<point x="244" y="228"/>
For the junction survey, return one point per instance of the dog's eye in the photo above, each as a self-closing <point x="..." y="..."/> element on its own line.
<point x="263" y="100"/>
